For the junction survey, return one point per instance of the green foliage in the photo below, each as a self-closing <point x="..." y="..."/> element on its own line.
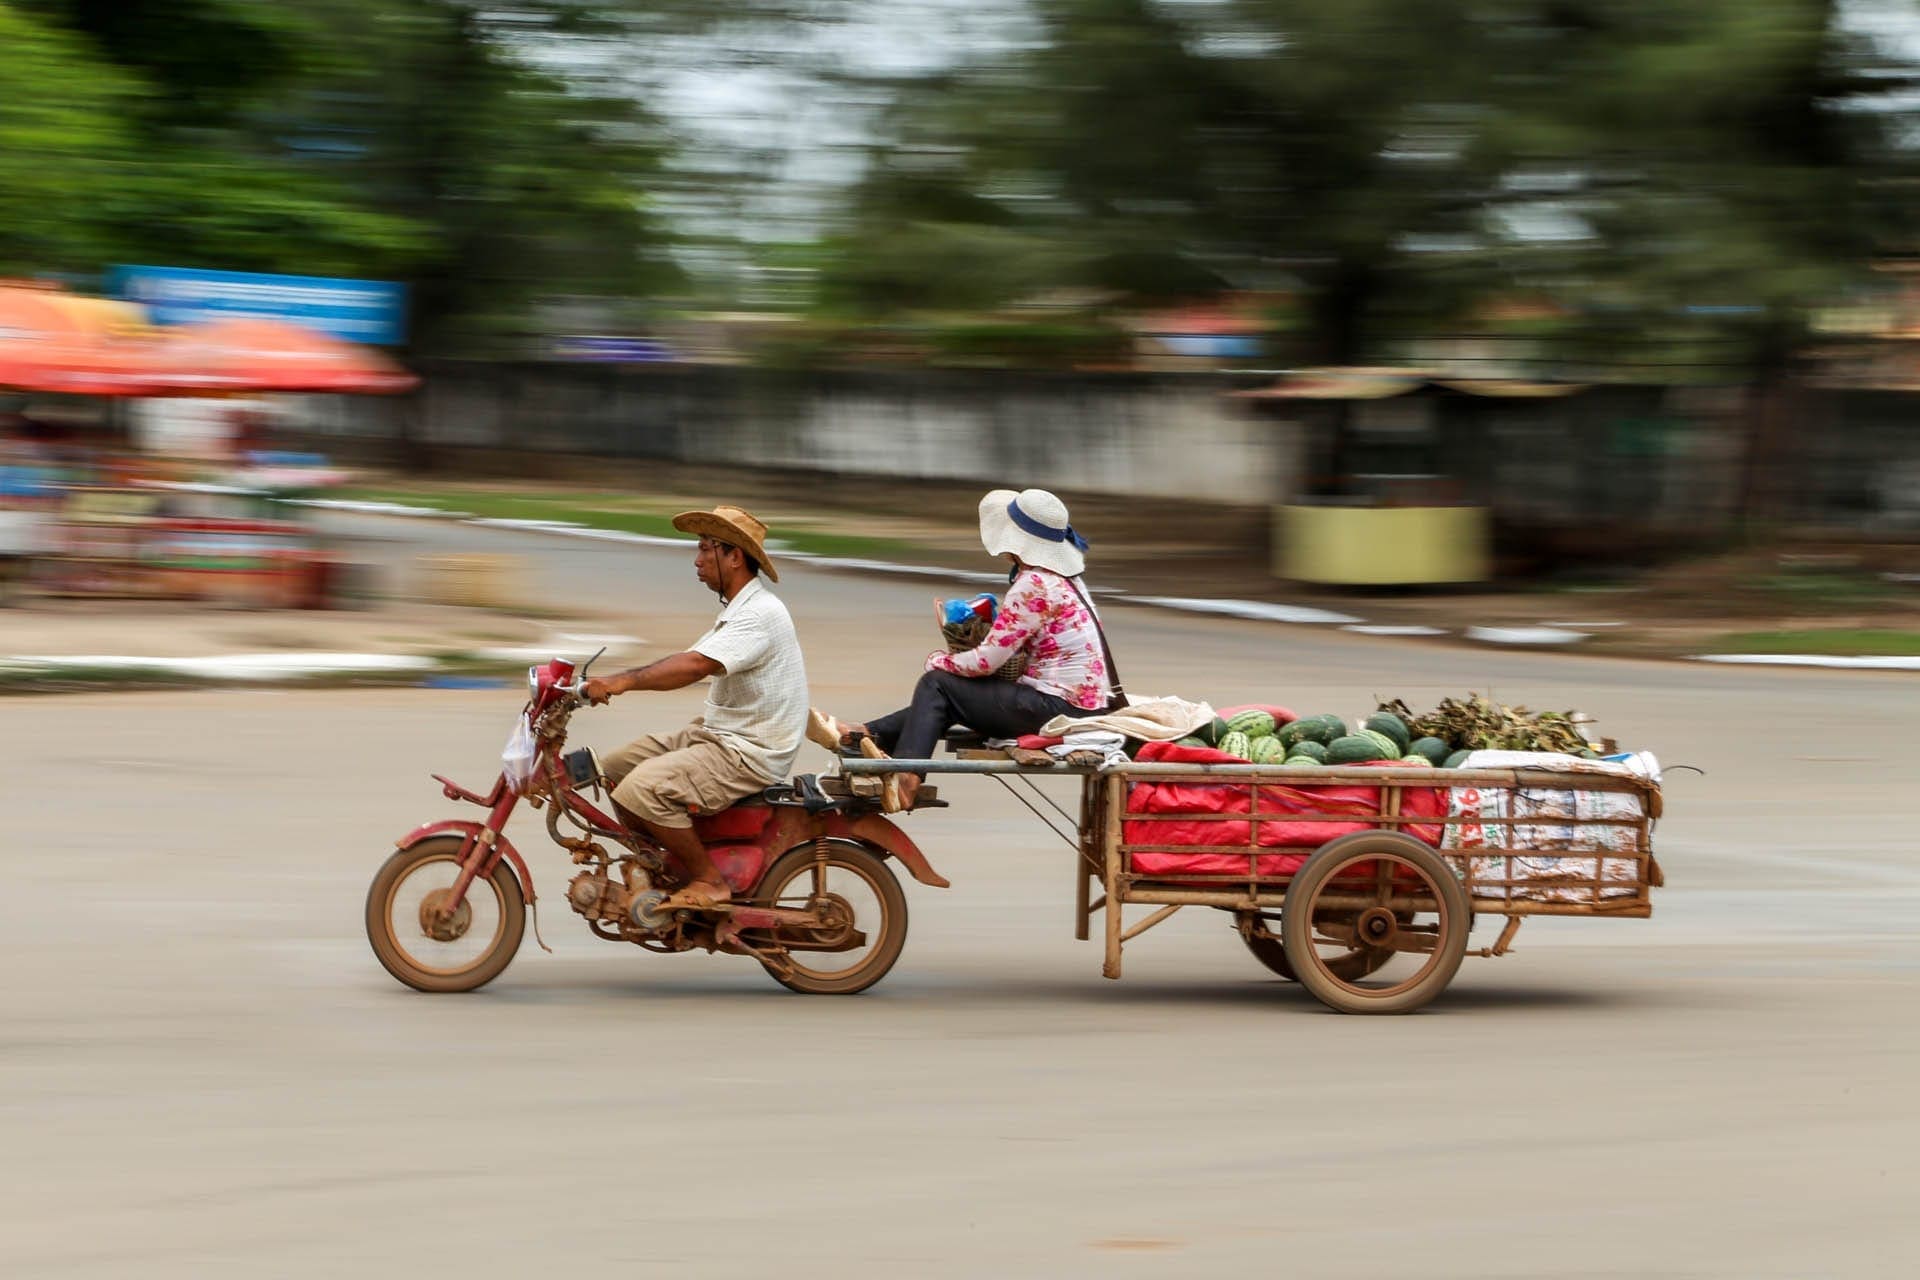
<point x="393" y="138"/>
<point x="1847" y="641"/>
<point x="63" y="140"/>
<point x="1661" y="172"/>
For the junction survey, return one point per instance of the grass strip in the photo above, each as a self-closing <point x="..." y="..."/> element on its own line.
<point x="616" y="511"/>
<point x="1846" y="642"/>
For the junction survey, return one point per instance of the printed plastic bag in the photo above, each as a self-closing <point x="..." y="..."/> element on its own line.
<point x="518" y="757"/>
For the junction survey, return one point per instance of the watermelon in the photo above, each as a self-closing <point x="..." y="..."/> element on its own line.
<point x="1236" y="743"/>
<point x="1414" y="762"/>
<point x="1457" y="760"/>
<point x="1321" y="729"/>
<point x="1311" y="752"/>
<point x="1388" y="746"/>
<point x="1255" y="724"/>
<point x="1212" y="733"/>
<point x="1267" y="750"/>
<point x="1193" y="742"/>
<point x="1297" y="731"/>
<point x="1393" y="726"/>
<point x="1358" y="749"/>
<point x="1432" y="750"/>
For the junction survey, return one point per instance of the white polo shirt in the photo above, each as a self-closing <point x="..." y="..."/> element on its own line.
<point x="759" y="705"/>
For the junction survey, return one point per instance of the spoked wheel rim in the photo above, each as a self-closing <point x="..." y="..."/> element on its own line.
<point x="1361" y="949"/>
<point x="1360" y="961"/>
<point x="422" y="934"/>
<point x="1376" y="923"/>
<point x="854" y="905"/>
<point x="863" y="925"/>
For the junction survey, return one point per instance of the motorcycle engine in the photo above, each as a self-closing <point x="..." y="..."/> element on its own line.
<point x="594" y="895"/>
<point x="598" y="896"/>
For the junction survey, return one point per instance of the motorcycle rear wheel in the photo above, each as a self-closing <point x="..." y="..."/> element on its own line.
<point x="856" y="882"/>
<point x="397" y="930"/>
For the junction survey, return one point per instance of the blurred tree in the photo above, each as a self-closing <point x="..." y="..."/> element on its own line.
<point x="62" y="133"/>
<point x="1719" y="166"/>
<point x="394" y="138"/>
<point x="534" y="189"/>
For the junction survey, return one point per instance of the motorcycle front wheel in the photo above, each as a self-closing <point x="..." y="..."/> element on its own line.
<point x="428" y="952"/>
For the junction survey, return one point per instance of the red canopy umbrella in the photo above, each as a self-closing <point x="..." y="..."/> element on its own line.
<point x="270" y="355"/>
<point x="65" y="344"/>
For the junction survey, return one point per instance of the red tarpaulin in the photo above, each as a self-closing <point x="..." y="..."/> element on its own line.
<point x="1310" y="815"/>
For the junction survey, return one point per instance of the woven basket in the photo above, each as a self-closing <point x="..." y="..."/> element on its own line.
<point x="961" y="636"/>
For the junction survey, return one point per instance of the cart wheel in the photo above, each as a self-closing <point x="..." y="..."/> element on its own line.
<point x="1375" y="891"/>
<point x="1357" y="963"/>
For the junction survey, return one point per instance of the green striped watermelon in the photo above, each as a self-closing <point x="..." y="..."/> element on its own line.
<point x="1389" y="749"/>
<point x="1393" y="726"/>
<point x="1255" y="724"/>
<point x="1358" y="749"/>
<point x="1267" y="750"/>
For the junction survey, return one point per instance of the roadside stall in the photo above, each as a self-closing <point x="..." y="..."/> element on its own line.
<point x="1382" y="502"/>
<point x="188" y="514"/>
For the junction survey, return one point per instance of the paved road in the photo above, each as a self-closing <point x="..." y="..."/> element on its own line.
<point x="204" y="1073"/>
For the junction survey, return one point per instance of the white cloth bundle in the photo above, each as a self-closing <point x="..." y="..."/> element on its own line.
<point x="1149" y="719"/>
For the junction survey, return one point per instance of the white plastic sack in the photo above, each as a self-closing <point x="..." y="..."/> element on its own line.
<point x="1564" y="823"/>
<point x="518" y="757"/>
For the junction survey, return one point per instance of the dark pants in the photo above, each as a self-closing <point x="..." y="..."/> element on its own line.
<point x="995" y="707"/>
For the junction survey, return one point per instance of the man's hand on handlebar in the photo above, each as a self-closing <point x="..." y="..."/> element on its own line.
<point x="675" y="672"/>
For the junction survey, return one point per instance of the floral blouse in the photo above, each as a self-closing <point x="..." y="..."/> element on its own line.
<point x="1044" y="616"/>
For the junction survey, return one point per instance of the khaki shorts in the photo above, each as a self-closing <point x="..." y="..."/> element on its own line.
<point x="666" y="779"/>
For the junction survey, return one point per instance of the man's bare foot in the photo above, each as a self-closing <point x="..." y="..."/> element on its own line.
<point x="701" y="895"/>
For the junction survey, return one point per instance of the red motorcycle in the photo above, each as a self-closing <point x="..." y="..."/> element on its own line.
<point x="814" y="900"/>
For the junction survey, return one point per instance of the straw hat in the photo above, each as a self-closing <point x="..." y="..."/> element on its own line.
<point x="730" y="525"/>
<point x="1033" y="525"/>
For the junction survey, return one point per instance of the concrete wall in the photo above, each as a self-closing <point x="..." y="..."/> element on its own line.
<point x="1613" y="463"/>
<point x="1120" y="434"/>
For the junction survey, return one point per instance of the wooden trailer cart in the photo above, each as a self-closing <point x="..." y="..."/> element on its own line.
<point x="1360" y="883"/>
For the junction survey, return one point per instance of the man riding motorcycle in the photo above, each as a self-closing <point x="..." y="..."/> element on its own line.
<point x="755" y="715"/>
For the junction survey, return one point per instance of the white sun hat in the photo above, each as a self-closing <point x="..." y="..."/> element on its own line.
<point x="1033" y="525"/>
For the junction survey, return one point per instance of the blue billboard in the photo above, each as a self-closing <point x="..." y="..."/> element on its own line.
<point x="369" y="311"/>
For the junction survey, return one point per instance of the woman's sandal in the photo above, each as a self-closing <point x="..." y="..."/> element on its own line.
<point x="890" y="801"/>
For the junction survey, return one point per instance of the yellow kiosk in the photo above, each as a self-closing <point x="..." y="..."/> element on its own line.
<point x="1378" y="506"/>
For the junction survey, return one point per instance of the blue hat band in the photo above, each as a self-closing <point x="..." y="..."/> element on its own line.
<point x="1027" y="523"/>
